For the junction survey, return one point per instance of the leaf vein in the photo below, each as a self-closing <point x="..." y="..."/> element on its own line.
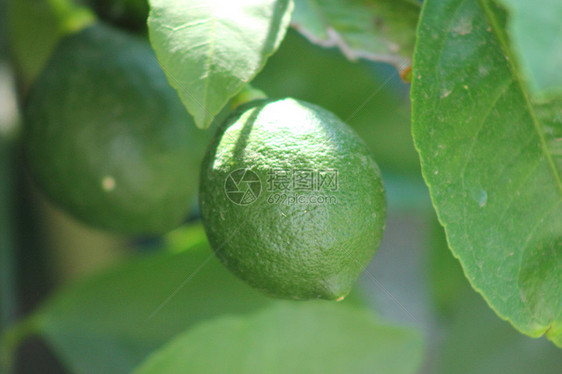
<point x="212" y="36"/>
<point x="517" y="78"/>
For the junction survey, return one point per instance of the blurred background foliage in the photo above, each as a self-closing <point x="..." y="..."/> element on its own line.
<point x="116" y="300"/>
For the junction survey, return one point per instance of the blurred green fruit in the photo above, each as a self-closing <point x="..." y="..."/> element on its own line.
<point x="108" y="139"/>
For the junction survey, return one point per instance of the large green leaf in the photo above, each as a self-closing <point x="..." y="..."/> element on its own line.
<point x="492" y="161"/>
<point x="379" y="30"/>
<point x="292" y="337"/>
<point x="111" y="322"/>
<point x="210" y="50"/>
<point x="535" y="29"/>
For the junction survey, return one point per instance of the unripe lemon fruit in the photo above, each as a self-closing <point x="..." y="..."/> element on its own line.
<point x="108" y="139"/>
<point x="291" y="200"/>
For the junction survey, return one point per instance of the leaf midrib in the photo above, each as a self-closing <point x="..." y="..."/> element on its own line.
<point x="517" y="79"/>
<point x="212" y="39"/>
<point x="536" y="124"/>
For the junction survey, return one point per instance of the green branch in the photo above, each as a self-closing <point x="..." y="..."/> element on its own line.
<point x="11" y="339"/>
<point x="8" y="298"/>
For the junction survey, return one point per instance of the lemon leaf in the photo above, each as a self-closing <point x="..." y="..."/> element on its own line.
<point x="378" y="30"/>
<point x="492" y="160"/>
<point x="534" y="28"/>
<point x="294" y="338"/>
<point x="210" y="50"/>
<point x="110" y="322"/>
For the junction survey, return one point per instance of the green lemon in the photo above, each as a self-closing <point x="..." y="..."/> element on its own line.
<point x="108" y="139"/>
<point x="291" y="200"/>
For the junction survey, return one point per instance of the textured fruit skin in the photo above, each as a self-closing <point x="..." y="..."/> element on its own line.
<point x="297" y="251"/>
<point x="108" y="139"/>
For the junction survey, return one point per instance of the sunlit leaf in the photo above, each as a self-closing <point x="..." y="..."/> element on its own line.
<point x="209" y="50"/>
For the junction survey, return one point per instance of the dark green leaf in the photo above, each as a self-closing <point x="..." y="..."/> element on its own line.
<point x="378" y="30"/>
<point x="491" y="160"/>
<point x="210" y="50"/>
<point x="292" y="337"/>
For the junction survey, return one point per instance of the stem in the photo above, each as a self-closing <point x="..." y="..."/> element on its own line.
<point x="11" y="335"/>
<point x="8" y="136"/>
<point x="7" y="250"/>
<point x="10" y="341"/>
<point x="8" y="297"/>
<point x="71" y="17"/>
<point x="248" y="93"/>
